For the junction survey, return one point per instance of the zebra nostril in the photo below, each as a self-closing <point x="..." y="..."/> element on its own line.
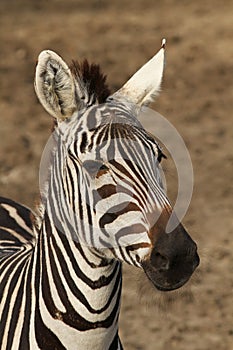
<point x="159" y="261"/>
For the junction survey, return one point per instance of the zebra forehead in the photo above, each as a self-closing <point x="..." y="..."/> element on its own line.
<point x="112" y="120"/>
<point x="103" y="134"/>
<point x="119" y="130"/>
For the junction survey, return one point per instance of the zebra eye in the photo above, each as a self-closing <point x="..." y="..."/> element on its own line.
<point x="94" y="167"/>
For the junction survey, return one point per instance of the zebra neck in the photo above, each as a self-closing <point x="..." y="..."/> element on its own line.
<point x="78" y="293"/>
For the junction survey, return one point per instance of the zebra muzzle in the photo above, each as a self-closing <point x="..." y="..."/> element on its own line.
<point x="172" y="260"/>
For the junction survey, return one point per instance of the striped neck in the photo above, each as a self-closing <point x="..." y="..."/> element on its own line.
<point x="78" y="294"/>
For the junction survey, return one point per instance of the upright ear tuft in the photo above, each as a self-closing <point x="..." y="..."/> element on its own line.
<point x="144" y="85"/>
<point x="54" y="85"/>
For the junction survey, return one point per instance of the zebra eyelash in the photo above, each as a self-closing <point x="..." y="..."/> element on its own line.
<point x="156" y="146"/>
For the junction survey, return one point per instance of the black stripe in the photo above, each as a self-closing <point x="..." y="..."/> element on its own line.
<point x="84" y="142"/>
<point x="115" y="343"/>
<point x="24" y="339"/>
<point x="115" y="211"/>
<point x="16" y="310"/>
<point x="9" y="291"/>
<point x="45" y="338"/>
<point x="10" y="223"/>
<point x="71" y="317"/>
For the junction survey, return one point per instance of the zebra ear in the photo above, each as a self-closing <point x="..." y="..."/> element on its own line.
<point x="54" y="85"/>
<point x="144" y="85"/>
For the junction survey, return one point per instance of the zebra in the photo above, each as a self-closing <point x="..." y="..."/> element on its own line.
<point x="102" y="204"/>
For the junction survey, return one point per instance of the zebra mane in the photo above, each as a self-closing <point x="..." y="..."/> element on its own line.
<point x="92" y="79"/>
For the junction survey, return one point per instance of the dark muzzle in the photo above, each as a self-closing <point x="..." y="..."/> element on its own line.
<point x="172" y="261"/>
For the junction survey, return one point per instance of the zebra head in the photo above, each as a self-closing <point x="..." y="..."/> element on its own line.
<point x="106" y="175"/>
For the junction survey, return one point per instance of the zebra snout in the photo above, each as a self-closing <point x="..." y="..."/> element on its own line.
<point x="172" y="260"/>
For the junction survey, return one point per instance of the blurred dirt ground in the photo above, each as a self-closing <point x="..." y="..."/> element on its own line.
<point x="196" y="97"/>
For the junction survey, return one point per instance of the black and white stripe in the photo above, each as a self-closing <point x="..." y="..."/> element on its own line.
<point x="101" y="194"/>
<point x="47" y="299"/>
<point x="61" y="279"/>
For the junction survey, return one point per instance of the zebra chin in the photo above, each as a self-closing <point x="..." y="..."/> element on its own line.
<point x="172" y="260"/>
<point x="162" y="283"/>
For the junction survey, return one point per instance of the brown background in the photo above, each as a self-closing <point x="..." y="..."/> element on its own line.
<point x="197" y="98"/>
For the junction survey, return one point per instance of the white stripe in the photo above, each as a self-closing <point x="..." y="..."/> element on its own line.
<point x="14" y="215"/>
<point x="14" y="234"/>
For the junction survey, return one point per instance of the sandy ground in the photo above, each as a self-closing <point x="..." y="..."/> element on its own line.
<point x="197" y="98"/>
